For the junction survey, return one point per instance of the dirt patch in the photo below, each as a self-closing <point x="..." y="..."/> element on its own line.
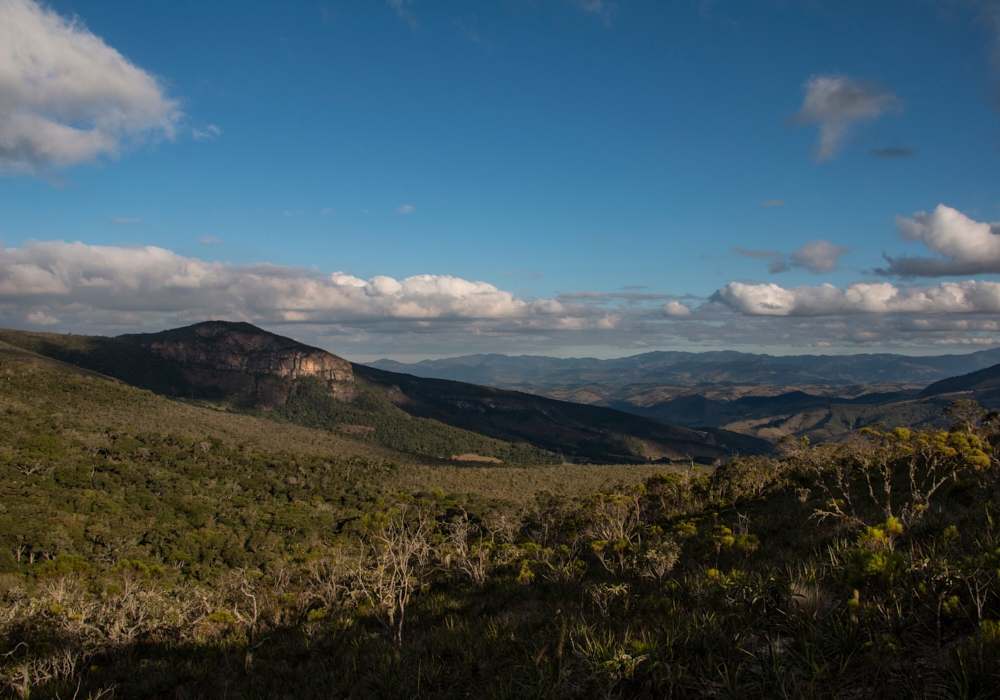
<point x="472" y="457"/>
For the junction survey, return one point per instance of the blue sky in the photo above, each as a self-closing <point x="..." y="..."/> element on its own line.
<point x="570" y="154"/>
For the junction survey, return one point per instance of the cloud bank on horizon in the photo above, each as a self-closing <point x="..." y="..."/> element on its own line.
<point x="111" y="288"/>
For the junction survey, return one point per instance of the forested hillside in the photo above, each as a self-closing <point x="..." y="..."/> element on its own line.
<point x="151" y="549"/>
<point x="241" y="368"/>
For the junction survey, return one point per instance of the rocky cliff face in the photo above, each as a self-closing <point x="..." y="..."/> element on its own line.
<point x="240" y="347"/>
<point x="241" y="359"/>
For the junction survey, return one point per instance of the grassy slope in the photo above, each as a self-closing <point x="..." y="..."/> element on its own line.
<point x="127" y="359"/>
<point x="93" y="467"/>
<point x="127" y="409"/>
<point x="52" y="388"/>
<point x="430" y="418"/>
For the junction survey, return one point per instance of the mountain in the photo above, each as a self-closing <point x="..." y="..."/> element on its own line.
<point x="821" y="397"/>
<point x="823" y="416"/>
<point x="575" y="430"/>
<point x="242" y="368"/>
<point x="692" y="369"/>
<point x="211" y="360"/>
<point x="980" y="381"/>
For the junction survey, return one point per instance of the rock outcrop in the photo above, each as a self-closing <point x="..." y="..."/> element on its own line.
<point x="223" y="359"/>
<point x="241" y="347"/>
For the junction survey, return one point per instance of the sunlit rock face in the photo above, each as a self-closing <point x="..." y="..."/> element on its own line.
<point x="238" y="359"/>
<point x="240" y="347"/>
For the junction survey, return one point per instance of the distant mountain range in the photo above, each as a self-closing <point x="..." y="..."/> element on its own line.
<point x="690" y="369"/>
<point x="241" y="368"/>
<point x="662" y="406"/>
<point x="821" y="397"/>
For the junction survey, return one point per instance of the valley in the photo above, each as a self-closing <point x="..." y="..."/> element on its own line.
<point x="818" y="397"/>
<point x="217" y="507"/>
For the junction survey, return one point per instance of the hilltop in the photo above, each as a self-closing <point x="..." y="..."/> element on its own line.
<point x="239" y="367"/>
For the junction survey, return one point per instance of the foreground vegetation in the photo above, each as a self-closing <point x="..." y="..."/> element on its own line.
<point x="175" y="555"/>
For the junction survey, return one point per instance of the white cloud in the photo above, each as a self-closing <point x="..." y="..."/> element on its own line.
<point x="40" y="319"/>
<point x="150" y="283"/>
<point x="964" y="246"/>
<point x="66" y="97"/>
<point x="860" y="298"/>
<point x="209" y="240"/>
<point x="836" y="103"/>
<point x="124" y="222"/>
<point x="405" y="209"/>
<point x="326" y="212"/>
<point x="109" y="289"/>
<point x="770" y="203"/>
<point x="675" y="308"/>
<point x="209" y="132"/>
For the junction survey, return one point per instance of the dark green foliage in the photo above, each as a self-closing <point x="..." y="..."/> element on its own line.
<point x="154" y="564"/>
<point x="585" y="433"/>
<point x="374" y="418"/>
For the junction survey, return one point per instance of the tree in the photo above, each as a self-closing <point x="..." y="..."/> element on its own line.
<point x="395" y="560"/>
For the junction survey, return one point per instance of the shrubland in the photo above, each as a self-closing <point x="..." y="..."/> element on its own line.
<point x="192" y="557"/>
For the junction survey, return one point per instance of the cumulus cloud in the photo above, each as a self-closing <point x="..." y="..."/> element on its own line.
<point x="817" y="256"/>
<point x="66" y="97"/>
<point x="675" y="308"/>
<point x="860" y="298"/>
<point x="111" y="289"/>
<point x="963" y="246"/>
<point x="405" y="209"/>
<point x="836" y="103"/>
<point x="85" y="281"/>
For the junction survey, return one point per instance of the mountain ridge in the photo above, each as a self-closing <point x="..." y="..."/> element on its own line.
<point x="690" y="369"/>
<point x="243" y="368"/>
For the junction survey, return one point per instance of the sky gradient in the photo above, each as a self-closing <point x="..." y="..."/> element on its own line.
<point x="422" y="179"/>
